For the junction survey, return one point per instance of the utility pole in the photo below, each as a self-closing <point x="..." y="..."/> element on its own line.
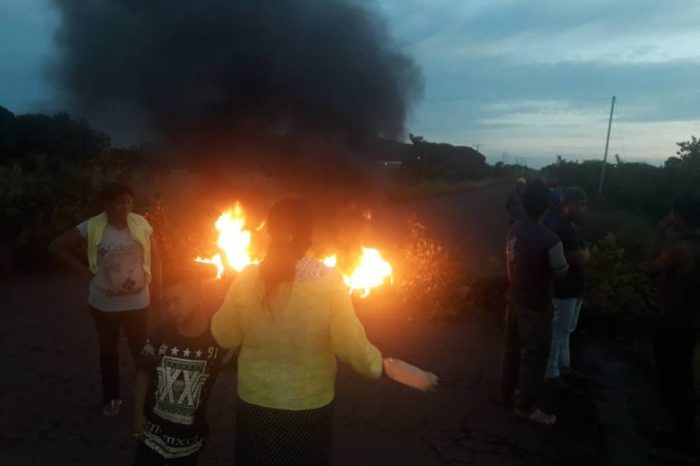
<point x="607" y="143"/>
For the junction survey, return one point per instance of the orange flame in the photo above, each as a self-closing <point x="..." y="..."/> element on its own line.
<point x="234" y="241"/>
<point x="216" y="260"/>
<point x="372" y="271"/>
<point x="331" y="261"/>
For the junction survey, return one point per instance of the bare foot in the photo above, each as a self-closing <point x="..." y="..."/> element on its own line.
<point x="111" y="408"/>
<point x="536" y="415"/>
<point x="674" y="455"/>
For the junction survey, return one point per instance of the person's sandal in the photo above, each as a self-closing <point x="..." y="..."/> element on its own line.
<point x="112" y="408"/>
<point x="536" y="415"/>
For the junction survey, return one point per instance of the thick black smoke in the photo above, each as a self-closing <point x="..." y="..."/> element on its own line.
<point x="214" y="68"/>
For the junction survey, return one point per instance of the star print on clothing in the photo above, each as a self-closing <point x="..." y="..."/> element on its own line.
<point x="198" y="353"/>
<point x="186" y="353"/>
<point x="148" y="349"/>
<point x="163" y="349"/>
<point x="174" y="350"/>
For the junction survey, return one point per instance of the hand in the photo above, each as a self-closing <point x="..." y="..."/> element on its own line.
<point x="229" y="359"/>
<point x="156" y="298"/>
<point x="87" y="275"/>
<point x="586" y="255"/>
<point x="410" y="375"/>
<point x="432" y="382"/>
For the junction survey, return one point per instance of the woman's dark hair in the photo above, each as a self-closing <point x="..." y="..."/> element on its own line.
<point x="111" y="192"/>
<point x="687" y="207"/>
<point x="536" y="198"/>
<point x="289" y="225"/>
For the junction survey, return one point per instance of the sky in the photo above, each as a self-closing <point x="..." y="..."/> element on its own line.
<point x="519" y="80"/>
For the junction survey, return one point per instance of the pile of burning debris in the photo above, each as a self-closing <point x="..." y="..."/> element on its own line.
<point x="362" y="273"/>
<point x="409" y="268"/>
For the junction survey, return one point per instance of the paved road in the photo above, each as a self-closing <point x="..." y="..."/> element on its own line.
<point x="49" y="392"/>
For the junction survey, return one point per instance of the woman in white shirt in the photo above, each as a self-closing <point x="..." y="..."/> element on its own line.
<point x="122" y="262"/>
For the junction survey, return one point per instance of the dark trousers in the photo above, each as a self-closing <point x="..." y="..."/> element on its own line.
<point x="146" y="457"/>
<point x="108" y="325"/>
<point x="674" y="345"/>
<point x="528" y="336"/>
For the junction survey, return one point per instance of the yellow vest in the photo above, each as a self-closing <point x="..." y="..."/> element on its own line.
<point x="140" y="231"/>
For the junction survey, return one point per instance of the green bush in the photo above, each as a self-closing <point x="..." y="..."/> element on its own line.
<point x="636" y="187"/>
<point x="37" y="205"/>
<point x="633" y="232"/>
<point x="430" y="275"/>
<point x="57" y="136"/>
<point x="430" y="160"/>
<point x="618" y="290"/>
<point x="43" y="197"/>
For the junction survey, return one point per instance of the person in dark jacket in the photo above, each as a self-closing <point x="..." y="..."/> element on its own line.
<point x="534" y="256"/>
<point x="514" y="204"/>
<point x="676" y="260"/>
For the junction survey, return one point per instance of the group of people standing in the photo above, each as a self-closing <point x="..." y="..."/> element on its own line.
<point x="545" y="272"/>
<point x="546" y="255"/>
<point x="288" y="319"/>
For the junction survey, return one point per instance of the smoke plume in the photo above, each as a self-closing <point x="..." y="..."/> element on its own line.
<point x="194" y="69"/>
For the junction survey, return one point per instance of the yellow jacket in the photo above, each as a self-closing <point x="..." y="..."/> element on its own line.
<point x="288" y="349"/>
<point x="140" y="231"/>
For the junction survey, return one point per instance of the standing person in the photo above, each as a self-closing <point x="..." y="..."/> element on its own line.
<point x="175" y="373"/>
<point x="514" y="204"/>
<point x="291" y="316"/>
<point x="122" y="266"/>
<point x="534" y="256"/>
<point x="555" y="200"/>
<point x="676" y="258"/>
<point x="568" y="291"/>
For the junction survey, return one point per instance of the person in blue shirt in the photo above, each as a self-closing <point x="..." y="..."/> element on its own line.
<point x="555" y="200"/>
<point x="568" y="291"/>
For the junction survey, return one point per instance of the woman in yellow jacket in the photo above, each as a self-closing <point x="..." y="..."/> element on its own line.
<point x="290" y="316"/>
